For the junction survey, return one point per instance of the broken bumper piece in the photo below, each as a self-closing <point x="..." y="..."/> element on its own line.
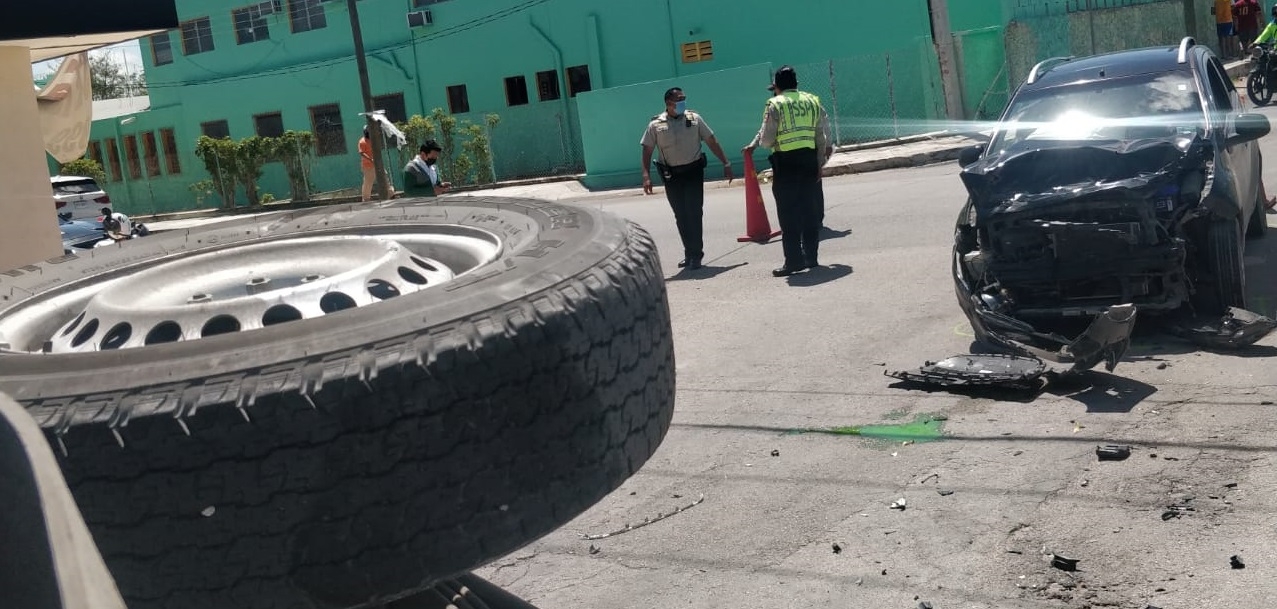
<point x="984" y="370"/>
<point x="1238" y="328"/>
<point x="1105" y="340"/>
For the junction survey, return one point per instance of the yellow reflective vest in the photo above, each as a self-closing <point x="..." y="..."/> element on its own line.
<point x="799" y="113"/>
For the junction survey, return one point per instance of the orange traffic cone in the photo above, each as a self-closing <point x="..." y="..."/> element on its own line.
<point x="757" y="227"/>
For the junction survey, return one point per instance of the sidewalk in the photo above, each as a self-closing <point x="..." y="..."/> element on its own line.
<point x="873" y="156"/>
<point x="912" y="151"/>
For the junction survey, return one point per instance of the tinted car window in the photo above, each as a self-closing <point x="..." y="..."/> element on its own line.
<point x="1220" y="87"/>
<point x="1145" y="106"/>
<point x="75" y="187"/>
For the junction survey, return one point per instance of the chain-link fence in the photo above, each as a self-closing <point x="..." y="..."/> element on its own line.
<point x="1021" y="9"/>
<point x="537" y="141"/>
<point x="878" y="96"/>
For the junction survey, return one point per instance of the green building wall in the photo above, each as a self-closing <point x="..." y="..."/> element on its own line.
<point x="874" y="65"/>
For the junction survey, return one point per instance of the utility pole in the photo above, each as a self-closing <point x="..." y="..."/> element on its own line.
<point x="942" y="37"/>
<point x="375" y="134"/>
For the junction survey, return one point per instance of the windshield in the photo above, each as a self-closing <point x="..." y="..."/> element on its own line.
<point x="1138" y="107"/>
<point x="75" y="187"/>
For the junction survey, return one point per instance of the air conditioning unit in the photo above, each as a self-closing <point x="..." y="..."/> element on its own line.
<point x="420" y="19"/>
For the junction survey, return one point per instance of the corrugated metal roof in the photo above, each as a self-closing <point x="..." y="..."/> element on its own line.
<point x="112" y="108"/>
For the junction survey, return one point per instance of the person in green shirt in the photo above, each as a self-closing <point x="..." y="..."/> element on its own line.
<point x="421" y="175"/>
<point x="1270" y="33"/>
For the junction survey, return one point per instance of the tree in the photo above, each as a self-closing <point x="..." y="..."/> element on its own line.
<point x="294" y="150"/>
<point x="109" y="80"/>
<point x="220" y="158"/>
<point x="84" y="166"/>
<point x="252" y="153"/>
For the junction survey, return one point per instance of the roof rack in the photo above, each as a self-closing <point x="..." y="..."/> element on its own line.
<point x="1184" y="45"/>
<point x="1033" y="74"/>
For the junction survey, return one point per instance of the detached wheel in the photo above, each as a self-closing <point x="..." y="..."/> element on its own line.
<point x="340" y="407"/>
<point x="1259" y="89"/>
<point x="1225" y="263"/>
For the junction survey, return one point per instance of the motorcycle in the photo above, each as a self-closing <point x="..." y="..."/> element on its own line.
<point x="1262" y="80"/>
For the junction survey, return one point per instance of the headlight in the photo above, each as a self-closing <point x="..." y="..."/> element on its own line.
<point x="1256" y="53"/>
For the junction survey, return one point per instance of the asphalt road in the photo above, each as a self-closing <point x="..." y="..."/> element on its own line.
<point x="760" y="357"/>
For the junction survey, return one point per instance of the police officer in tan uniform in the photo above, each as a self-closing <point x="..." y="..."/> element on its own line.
<point x="676" y="136"/>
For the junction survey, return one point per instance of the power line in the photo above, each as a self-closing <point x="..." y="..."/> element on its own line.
<point x="312" y="65"/>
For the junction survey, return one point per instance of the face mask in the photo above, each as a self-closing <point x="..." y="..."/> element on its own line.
<point x="431" y="161"/>
<point x="680" y="107"/>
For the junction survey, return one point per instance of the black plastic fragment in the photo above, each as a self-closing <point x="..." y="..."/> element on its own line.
<point x="1113" y="452"/>
<point x="977" y="370"/>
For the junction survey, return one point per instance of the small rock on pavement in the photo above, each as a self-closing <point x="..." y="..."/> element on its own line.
<point x="898" y="504"/>
<point x="775" y="453"/>
<point x="1235" y="561"/>
<point x="594" y="549"/>
<point x="944" y="493"/>
<point x="924" y="605"/>
<point x="837" y="549"/>
<point x="1163" y="366"/>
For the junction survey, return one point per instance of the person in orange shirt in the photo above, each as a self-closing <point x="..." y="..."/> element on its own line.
<point x="369" y="169"/>
<point x="366" y="165"/>
<point x="1226" y="29"/>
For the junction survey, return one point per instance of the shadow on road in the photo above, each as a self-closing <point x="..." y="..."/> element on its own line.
<point x="819" y="275"/>
<point x="705" y="272"/>
<point x="1101" y="392"/>
<point x="827" y="233"/>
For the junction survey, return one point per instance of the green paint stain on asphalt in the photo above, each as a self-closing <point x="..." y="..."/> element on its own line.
<point x="925" y="428"/>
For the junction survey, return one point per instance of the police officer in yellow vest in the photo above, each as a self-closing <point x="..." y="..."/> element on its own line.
<point x="796" y="128"/>
<point x="676" y="135"/>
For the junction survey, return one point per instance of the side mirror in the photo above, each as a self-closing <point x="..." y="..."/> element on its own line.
<point x="1249" y="127"/>
<point x="971" y="154"/>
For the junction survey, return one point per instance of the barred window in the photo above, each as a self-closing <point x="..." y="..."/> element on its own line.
<point x="306" y="15"/>
<point x="150" y="154"/>
<point x="250" y="24"/>
<point x="161" y="49"/>
<point x="216" y="129"/>
<point x="170" y="151"/>
<point x="130" y="154"/>
<point x="393" y="104"/>
<point x="330" y="135"/>
<point x="197" y="36"/>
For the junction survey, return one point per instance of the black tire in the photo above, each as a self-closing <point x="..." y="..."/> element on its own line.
<point x="390" y="446"/>
<point x="1225" y="264"/>
<point x="1259" y="89"/>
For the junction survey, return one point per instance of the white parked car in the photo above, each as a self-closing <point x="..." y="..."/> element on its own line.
<point x="78" y="197"/>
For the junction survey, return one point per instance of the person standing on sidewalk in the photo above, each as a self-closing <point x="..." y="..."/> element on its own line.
<point x="1249" y="16"/>
<point x="366" y="166"/>
<point x="677" y="135"/>
<point x="1223" y="11"/>
<point x="796" y="129"/>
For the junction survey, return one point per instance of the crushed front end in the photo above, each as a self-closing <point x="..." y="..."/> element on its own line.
<point x="1069" y="230"/>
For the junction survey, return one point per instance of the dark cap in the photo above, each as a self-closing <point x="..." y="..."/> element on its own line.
<point x="431" y="145"/>
<point x="671" y="94"/>
<point x="786" y="78"/>
<point x="106" y="211"/>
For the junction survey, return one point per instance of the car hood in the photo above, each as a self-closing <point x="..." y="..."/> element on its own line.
<point x="79" y="231"/>
<point x="1041" y="173"/>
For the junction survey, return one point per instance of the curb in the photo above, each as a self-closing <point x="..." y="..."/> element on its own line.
<point x="900" y="162"/>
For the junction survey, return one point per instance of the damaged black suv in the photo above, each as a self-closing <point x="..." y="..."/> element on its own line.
<point x="1111" y="184"/>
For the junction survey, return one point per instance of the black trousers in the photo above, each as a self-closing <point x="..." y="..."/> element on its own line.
<point x="686" y="194"/>
<point x="800" y="204"/>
